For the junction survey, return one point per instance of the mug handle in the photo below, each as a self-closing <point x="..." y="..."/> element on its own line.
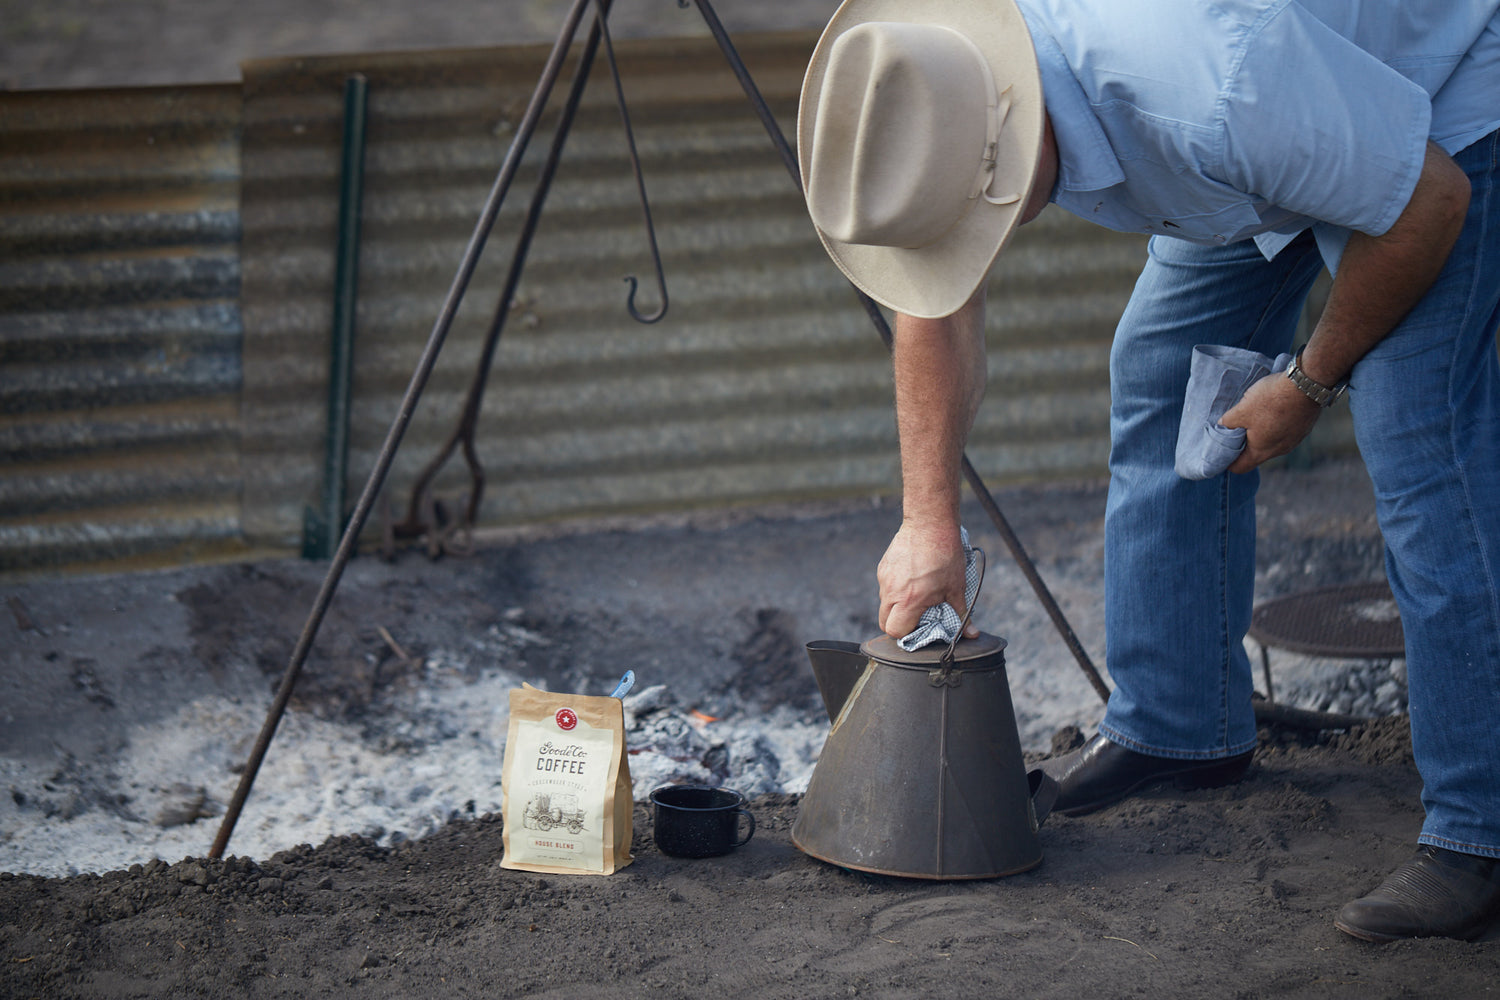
<point x="748" y="833"/>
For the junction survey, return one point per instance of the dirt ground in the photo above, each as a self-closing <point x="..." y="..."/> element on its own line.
<point x="1224" y="893"/>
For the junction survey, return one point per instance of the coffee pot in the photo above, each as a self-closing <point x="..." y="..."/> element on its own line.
<point x="922" y="774"/>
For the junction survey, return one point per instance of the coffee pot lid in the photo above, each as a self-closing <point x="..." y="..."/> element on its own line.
<point x="968" y="654"/>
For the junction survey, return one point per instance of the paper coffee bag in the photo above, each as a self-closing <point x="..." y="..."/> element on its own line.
<point x="565" y="784"/>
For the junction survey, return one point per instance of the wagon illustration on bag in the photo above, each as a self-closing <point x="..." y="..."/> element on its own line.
<point x="548" y="810"/>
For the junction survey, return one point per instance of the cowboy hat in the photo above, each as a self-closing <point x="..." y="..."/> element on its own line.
<point x="918" y="135"/>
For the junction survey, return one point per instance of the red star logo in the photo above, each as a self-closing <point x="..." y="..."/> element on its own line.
<point x="566" y="719"/>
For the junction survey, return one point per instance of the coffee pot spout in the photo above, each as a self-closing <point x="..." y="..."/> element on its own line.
<point x="836" y="666"/>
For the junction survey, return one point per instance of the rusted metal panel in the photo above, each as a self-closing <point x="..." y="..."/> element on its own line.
<point x="167" y="261"/>
<point x="119" y="326"/>
<point x="765" y="380"/>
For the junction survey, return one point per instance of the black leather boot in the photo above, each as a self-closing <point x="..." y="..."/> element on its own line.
<point x="1101" y="773"/>
<point x="1438" y="893"/>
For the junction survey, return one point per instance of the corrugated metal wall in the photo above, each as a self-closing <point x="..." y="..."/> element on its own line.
<point x="119" y="326"/>
<point x="138" y="417"/>
<point x="765" y="380"/>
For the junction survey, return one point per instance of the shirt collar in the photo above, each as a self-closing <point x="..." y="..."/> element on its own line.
<point x="1086" y="161"/>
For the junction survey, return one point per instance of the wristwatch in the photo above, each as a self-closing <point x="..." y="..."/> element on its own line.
<point x="1324" y="396"/>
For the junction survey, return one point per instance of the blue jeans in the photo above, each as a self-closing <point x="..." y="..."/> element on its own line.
<point x="1180" y="555"/>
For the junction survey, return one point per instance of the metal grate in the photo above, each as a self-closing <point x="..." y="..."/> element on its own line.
<point x="1352" y="621"/>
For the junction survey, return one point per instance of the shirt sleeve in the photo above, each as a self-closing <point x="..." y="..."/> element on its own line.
<point x="1315" y="125"/>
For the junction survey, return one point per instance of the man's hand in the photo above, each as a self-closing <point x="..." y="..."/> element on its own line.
<point x="1276" y="416"/>
<point x="921" y="568"/>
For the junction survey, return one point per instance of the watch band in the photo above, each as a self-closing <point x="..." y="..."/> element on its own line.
<point x="1324" y="396"/>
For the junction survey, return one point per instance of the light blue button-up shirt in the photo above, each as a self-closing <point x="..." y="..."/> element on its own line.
<point x="1236" y="119"/>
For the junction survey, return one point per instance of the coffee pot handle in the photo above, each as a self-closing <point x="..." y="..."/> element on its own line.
<point x="944" y="674"/>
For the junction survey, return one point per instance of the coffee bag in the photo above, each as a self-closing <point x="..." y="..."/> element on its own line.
<point x="565" y="784"/>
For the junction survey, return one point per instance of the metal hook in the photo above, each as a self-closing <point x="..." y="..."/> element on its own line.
<point x="640" y="183"/>
<point x="661" y="284"/>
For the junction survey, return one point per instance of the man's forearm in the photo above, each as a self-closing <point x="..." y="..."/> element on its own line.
<point x="940" y="376"/>
<point x="1380" y="278"/>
